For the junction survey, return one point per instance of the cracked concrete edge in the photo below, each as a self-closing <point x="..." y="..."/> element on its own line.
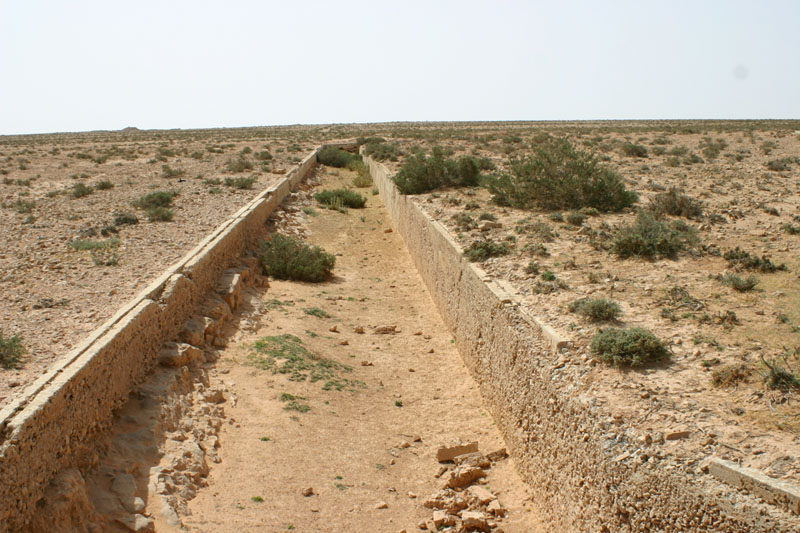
<point x="774" y="491"/>
<point x="558" y="441"/>
<point x="54" y="423"/>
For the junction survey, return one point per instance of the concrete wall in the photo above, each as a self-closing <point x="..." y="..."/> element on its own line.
<point x="584" y="470"/>
<point x="58" y="421"/>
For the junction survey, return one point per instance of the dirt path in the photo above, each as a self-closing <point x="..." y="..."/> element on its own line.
<point x="374" y="441"/>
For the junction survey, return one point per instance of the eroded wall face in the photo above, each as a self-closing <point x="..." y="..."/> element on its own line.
<point x="562" y="448"/>
<point x="56" y="424"/>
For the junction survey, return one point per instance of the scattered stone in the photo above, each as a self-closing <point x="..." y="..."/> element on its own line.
<point x="366" y="363"/>
<point x="138" y="523"/>
<point x="177" y="354"/>
<point x="481" y="494"/>
<point x="497" y="455"/>
<point x="448" y="453"/>
<point x="385" y="330"/>
<point x="388" y="230"/>
<point x="496" y="509"/>
<point x="404" y="444"/>
<point x="308" y="492"/>
<point x="334" y="329"/>
<point x="439" y="518"/>
<point x="463" y="476"/>
<point x="344" y="343"/>
<point x="675" y="435"/>
<point x="474" y="520"/>
<point x="381" y="505"/>
<point x="359" y="330"/>
<point x="412" y="495"/>
<point x="472" y="459"/>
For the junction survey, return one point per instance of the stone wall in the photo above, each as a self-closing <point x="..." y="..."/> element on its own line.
<point x="585" y="470"/>
<point x="60" y="418"/>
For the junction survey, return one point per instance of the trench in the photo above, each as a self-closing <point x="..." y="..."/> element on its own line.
<point x="220" y="442"/>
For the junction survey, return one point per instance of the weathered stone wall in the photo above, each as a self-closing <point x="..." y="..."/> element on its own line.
<point x="56" y="424"/>
<point x="585" y="469"/>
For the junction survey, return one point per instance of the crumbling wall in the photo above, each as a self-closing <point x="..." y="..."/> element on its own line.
<point x="56" y="423"/>
<point x="585" y="469"/>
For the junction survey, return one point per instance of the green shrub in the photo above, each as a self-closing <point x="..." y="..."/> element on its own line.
<point x="169" y="172"/>
<point x="154" y="199"/>
<point x="241" y="183"/>
<point x="160" y="214"/>
<point x="11" y="351"/>
<point x="285" y="257"/>
<point x="420" y="174"/>
<point x="674" y="203"/>
<point x="738" y="283"/>
<point x="264" y="155"/>
<point x="239" y="164"/>
<point x="79" y="190"/>
<point x="483" y="250"/>
<point x="739" y="259"/>
<point x="331" y="156"/>
<point x="381" y="151"/>
<point x="649" y="237"/>
<point x="596" y="309"/>
<point x="712" y="148"/>
<point x="89" y="244"/>
<point x="125" y="219"/>
<point x="575" y="218"/>
<point x="338" y="198"/>
<point x="104" y="185"/>
<point x="780" y="165"/>
<point x="631" y="346"/>
<point x="634" y="150"/>
<point x="559" y="176"/>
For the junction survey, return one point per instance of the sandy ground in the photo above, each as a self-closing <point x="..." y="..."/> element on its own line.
<point x="408" y="387"/>
<point x="55" y="295"/>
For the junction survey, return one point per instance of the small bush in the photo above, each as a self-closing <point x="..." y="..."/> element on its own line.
<point x="79" y="190"/>
<point x="160" y="214"/>
<point x="559" y="176"/>
<point x="483" y="250"/>
<point x="331" y="156"/>
<point x="338" y="198"/>
<point x="596" y="309"/>
<point x="791" y="229"/>
<point x="780" y="375"/>
<point x="169" y="172"/>
<point x="632" y="346"/>
<point x="739" y="259"/>
<point x="381" y="151"/>
<point x="738" y="283"/>
<point x="104" y="185"/>
<point x="125" y="219"/>
<point x="241" y="183"/>
<point x="730" y="375"/>
<point x="154" y="199"/>
<point x="674" y="203"/>
<point x="285" y="257"/>
<point x="650" y="238"/>
<point x="780" y="165"/>
<point x="575" y="218"/>
<point x="239" y="164"/>
<point x="634" y="150"/>
<point x="11" y="351"/>
<point x="712" y="148"/>
<point x="264" y="155"/>
<point x="88" y="244"/>
<point x="420" y="174"/>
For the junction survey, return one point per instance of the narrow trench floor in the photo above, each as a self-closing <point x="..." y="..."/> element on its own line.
<point x="286" y="434"/>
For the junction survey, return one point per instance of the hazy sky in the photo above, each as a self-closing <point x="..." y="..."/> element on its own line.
<point x="84" y="65"/>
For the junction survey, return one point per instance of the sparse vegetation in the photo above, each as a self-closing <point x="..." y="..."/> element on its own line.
<point x="79" y="190"/>
<point x="420" y="174"/>
<point x="284" y="257"/>
<point x="484" y="249"/>
<point x="154" y="199"/>
<point x="739" y="259"/>
<point x="340" y="198"/>
<point x="241" y="183"/>
<point x="675" y="203"/>
<point x="738" y="283"/>
<point x="239" y="164"/>
<point x="651" y="238"/>
<point x="11" y="351"/>
<point x="634" y="150"/>
<point x="125" y="219"/>
<point x="628" y="347"/>
<point x="596" y="309"/>
<point x="559" y="176"/>
<point x="330" y="156"/>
